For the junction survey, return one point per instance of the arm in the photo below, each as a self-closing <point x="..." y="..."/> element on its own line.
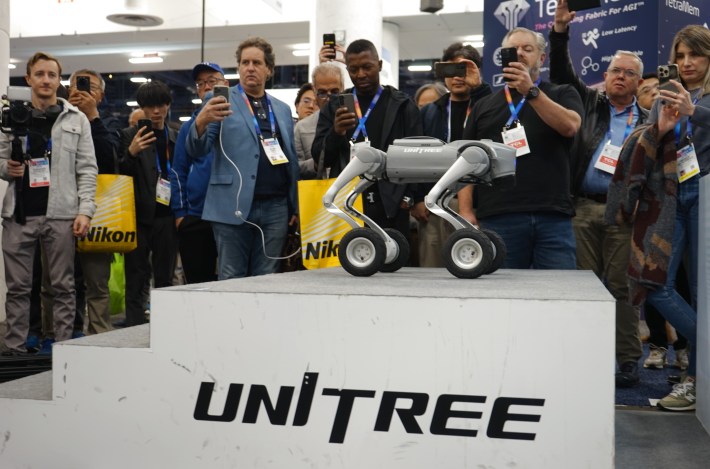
<point x="335" y="146"/>
<point x="561" y="69"/>
<point x="85" y="169"/>
<point x="106" y="146"/>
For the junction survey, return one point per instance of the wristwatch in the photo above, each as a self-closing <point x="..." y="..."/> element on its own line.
<point x="533" y="93"/>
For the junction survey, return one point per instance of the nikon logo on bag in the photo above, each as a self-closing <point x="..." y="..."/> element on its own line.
<point x="113" y="228"/>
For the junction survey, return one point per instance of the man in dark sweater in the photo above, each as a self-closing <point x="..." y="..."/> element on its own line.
<point x="382" y="115"/>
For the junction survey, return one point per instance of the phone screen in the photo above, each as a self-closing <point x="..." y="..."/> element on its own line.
<point x="83" y="83"/>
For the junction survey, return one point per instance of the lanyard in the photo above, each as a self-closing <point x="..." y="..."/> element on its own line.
<point x="362" y="119"/>
<point x="447" y="137"/>
<point x="688" y="127"/>
<point x="629" y="126"/>
<point x="256" y="122"/>
<point x="167" y="155"/>
<point x="514" y="110"/>
<point x="48" y="151"/>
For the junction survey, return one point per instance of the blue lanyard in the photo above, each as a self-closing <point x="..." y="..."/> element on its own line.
<point x="688" y="127"/>
<point x="362" y="119"/>
<point x="514" y="110"/>
<point x="272" y="121"/>
<point x="167" y="154"/>
<point x="629" y="126"/>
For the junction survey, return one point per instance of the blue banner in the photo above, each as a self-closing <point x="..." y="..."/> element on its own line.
<point x="644" y="27"/>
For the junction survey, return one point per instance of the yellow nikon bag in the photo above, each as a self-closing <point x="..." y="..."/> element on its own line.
<point x="321" y="232"/>
<point x="113" y="228"/>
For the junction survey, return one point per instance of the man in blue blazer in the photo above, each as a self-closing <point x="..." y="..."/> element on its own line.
<point x="251" y="199"/>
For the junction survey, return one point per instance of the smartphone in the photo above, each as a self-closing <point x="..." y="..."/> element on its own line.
<point x="145" y="123"/>
<point x="508" y="55"/>
<point x="347" y="100"/>
<point x="450" y="69"/>
<point x="329" y="40"/>
<point x="83" y="83"/>
<point x="665" y="74"/>
<point x="579" y="5"/>
<point x="221" y="90"/>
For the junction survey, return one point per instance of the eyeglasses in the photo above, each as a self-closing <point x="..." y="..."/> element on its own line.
<point x="323" y="94"/>
<point x="209" y="81"/>
<point x="616" y="71"/>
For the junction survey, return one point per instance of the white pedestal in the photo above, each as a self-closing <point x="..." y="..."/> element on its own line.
<point x="415" y="369"/>
<point x="703" y="346"/>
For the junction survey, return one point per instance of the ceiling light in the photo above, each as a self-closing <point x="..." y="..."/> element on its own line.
<point x="11" y="66"/>
<point x="301" y="52"/>
<point x="474" y="38"/>
<point x="136" y="20"/>
<point x="146" y="59"/>
<point x="132" y="103"/>
<point x="301" y="46"/>
<point x="64" y="82"/>
<point x="231" y="76"/>
<point x="197" y="101"/>
<point x="419" y="68"/>
<point x="184" y="118"/>
<point x="139" y="79"/>
<point x="477" y="44"/>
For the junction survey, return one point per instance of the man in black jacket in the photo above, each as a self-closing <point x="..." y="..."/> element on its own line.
<point x="383" y="115"/>
<point x="609" y="117"/>
<point x="147" y="156"/>
<point x="445" y="119"/>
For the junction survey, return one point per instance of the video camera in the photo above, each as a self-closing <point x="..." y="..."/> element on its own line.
<point x="17" y="115"/>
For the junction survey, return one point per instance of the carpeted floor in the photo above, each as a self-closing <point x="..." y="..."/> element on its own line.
<point x="653" y="385"/>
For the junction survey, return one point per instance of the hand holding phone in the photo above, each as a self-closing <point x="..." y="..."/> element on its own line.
<point x="508" y="55"/>
<point x="329" y="41"/>
<point x="147" y="123"/>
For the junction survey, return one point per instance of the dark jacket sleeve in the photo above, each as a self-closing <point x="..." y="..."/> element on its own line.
<point x="106" y="147"/>
<point x="126" y="163"/>
<point x="336" y="147"/>
<point x="561" y="69"/>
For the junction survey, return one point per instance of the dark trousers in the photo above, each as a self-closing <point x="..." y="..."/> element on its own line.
<point x="198" y="251"/>
<point x="157" y="245"/>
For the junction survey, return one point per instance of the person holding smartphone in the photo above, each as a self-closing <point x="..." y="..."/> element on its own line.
<point x="445" y="119"/>
<point x="382" y="115"/>
<point x="539" y="119"/>
<point x="666" y="160"/>
<point x="147" y="155"/>
<point x="189" y="179"/>
<point x="609" y="117"/>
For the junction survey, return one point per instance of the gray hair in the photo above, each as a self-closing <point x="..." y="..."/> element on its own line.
<point x="328" y="68"/>
<point x="633" y="55"/>
<point x="86" y="71"/>
<point x="539" y="38"/>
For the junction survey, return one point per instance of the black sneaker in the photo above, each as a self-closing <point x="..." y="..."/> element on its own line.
<point x="628" y="375"/>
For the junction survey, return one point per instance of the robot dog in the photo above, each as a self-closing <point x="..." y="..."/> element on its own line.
<point x="468" y="252"/>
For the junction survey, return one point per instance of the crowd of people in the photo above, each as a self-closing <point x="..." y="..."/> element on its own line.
<point x="607" y="179"/>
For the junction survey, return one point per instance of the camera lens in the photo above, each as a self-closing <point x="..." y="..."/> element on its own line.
<point x="20" y="114"/>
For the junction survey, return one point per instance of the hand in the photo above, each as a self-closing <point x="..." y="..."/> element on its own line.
<point x="344" y="120"/>
<point x="518" y="77"/>
<point x="326" y="54"/>
<point x="178" y="221"/>
<point x="15" y="169"/>
<point x="293" y="221"/>
<point x="81" y="226"/>
<point x="420" y="212"/>
<point x="470" y="216"/>
<point x="563" y="17"/>
<point x="216" y="109"/>
<point x="141" y="140"/>
<point x="85" y="102"/>
<point x="473" y="74"/>
<point x="678" y="100"/>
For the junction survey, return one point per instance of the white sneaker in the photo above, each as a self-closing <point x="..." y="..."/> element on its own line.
<point x="681" y="398"/>
<point x="681" y="359"/>
<point x="656" y="358"/>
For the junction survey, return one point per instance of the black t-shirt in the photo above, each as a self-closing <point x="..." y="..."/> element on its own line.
<point x="542" y="176"/>
<point x="271" y="180"/>
<point x="34" y="199"/>
<point x="458" y="117"/>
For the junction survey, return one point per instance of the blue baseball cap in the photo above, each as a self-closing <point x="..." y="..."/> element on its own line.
<point x="209" y="66"/>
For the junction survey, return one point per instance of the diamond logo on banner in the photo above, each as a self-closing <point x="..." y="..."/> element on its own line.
<point x="511" y="12"/>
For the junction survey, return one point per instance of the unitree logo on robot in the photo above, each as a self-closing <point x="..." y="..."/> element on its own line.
<point x="277" y="413"/>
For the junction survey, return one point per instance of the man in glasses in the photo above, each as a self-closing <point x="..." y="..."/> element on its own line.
<point x="327" y="81"/>
<point x="609" y="117"/>
<point x="189" y="178"/>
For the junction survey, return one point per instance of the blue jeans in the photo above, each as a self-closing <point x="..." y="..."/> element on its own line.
<point x="241" y="248"/>
<point x="535" y="240"/>
<point x="666" y="299"/>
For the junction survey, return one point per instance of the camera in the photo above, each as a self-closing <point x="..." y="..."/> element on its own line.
<point x="666" y="73"/>
<point x="17" y="113"/>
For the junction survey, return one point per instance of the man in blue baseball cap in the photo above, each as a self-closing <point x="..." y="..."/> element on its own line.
<point x="189" y="178"/>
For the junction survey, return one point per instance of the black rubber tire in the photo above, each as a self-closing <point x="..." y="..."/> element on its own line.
<point x="403" y="251"/>
<point x="362" y="252"/>
<point x="499" y="250"/>
<point x="468" y="253"/>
